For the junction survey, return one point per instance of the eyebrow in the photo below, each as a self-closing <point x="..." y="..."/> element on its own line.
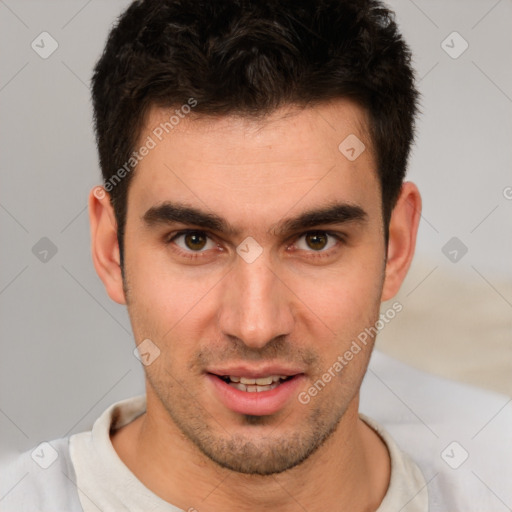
<point x="333" y="213"/>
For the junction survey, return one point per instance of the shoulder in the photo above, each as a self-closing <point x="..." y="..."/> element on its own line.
<point x="457" y="434"/>
<point x="41" y="479"/>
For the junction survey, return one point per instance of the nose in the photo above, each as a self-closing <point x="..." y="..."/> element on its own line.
<point x="256" y="305"/>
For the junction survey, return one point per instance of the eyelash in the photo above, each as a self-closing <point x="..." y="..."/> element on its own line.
<point x="200" y="254"/>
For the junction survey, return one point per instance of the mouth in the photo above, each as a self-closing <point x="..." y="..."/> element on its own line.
<point x="256" y="394"/>
<point x="255" y="385"/>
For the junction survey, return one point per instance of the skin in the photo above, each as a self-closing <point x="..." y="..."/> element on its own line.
<point x="298" y="303"/>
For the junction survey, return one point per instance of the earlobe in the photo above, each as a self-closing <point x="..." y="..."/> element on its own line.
<point x="403" y="228"/>
<point x="104" y="243"/>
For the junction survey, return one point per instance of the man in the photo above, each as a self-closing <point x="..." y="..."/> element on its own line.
<point x="253" y="218"/>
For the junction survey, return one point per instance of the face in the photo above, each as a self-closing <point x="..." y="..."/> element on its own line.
<point x="255" y="250"/>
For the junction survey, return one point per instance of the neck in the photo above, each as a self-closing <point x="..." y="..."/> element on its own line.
<point x="350" y="471"/>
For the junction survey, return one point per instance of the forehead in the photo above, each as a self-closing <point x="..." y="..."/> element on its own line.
<point x="289" y="157"/>
<point x="297" y="129"/>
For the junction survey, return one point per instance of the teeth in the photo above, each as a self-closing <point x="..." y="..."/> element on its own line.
<point x="261" y="381"/>
<point x="253" y="389"/>
<point x="264" y="381"/>
<point x="258" y="385"/>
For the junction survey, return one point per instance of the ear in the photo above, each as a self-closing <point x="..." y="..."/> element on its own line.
<point x="403" y="228"/>
<point x="104" y="243"/>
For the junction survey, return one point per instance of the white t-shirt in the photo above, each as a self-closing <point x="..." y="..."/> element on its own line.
<point x="105" y="483"/>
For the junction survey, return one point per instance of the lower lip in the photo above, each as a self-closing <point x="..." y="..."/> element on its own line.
<point x="255" y="403"/>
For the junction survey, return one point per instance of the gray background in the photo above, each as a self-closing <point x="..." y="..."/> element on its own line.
<point x="66" y="347"/>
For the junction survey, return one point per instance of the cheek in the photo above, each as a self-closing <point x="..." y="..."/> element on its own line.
<point x="168" y="291"/>
<point x="167" y="303"/>
<point x="345" y="306"/>
<point x="172" y="307"/>
<point x="344" y="299"/>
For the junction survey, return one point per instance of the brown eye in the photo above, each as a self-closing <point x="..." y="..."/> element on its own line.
<point x="317" y="241"/>
<point x="193" y="241"/>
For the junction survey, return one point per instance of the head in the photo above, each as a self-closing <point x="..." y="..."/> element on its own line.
<point x="230" y="120"/>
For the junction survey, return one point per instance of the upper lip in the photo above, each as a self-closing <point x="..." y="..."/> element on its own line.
<point x="255" y="372"/>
